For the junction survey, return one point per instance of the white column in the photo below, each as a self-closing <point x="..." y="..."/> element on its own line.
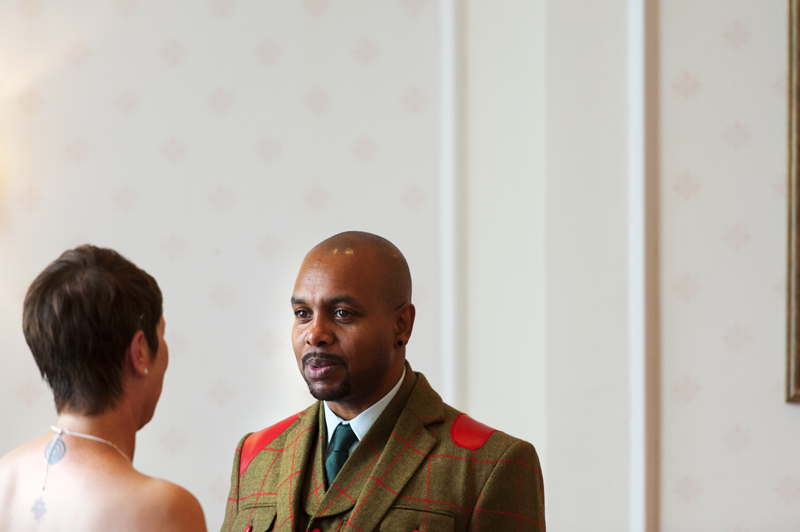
<point x="505" y="216"/>
<point x="588" y="306"/>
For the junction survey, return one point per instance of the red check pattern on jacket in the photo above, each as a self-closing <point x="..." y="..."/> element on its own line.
<point x="422" y="466"/>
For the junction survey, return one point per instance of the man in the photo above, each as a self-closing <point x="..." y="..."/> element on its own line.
<point x="93" y="321"/>
<point x="414" y="462"/>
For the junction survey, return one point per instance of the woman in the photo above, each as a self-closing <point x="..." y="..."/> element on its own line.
<point x="94" y="324"/>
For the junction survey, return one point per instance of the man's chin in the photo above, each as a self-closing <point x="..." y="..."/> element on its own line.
<point x="323" y="392"/>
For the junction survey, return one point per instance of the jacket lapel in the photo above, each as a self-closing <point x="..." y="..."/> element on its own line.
<point x="405" y="444"/>
<point x="294" y="459"/>
<point x="314" y="483"/>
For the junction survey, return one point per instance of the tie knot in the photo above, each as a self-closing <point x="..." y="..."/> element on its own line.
<point x="343" y="437"/>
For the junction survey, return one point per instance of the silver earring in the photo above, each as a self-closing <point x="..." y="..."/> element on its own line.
<point x="146" y="371"/>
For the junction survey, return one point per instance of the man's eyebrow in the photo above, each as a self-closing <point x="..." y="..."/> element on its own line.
<point x="332" y="301"/>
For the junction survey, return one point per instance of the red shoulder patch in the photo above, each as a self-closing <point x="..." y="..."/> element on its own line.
<point x="258" y="440"/>
<point x="468" y="433"/>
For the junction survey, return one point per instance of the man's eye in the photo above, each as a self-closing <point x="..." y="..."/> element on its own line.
<point x="341" y="313"/>
<point x="300" y="313"/>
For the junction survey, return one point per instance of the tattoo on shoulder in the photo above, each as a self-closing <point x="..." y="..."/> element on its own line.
<point x="39" y="509"/>
<point x="55" y="450"/>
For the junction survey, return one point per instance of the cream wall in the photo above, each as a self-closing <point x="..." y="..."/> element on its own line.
<point x="215" y="142"/>
<point x="586" y="317"/>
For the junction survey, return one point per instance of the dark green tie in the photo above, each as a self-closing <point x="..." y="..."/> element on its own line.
<point x="343" y="438"/>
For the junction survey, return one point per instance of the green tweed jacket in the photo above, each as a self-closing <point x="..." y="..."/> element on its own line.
<point x="423" y="466"/>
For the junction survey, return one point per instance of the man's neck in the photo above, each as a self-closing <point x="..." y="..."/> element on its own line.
<point x="364" y="420"/>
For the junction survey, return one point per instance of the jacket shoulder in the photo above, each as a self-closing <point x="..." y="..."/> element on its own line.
<point x="255" y="442"/>
<point x="468" y="433"/>
<point x="455" y="427"/>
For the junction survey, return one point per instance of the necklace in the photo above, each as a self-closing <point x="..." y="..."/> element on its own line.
<point x="56" y="449"/>
<point x="90" y="437"/>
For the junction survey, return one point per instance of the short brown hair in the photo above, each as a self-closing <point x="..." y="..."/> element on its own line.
<point x="79" y="317"/>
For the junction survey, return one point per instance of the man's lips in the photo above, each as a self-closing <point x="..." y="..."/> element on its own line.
<point x="321" y="365"/>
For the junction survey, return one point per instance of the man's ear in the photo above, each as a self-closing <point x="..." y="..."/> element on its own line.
<point x="404" y="323"/>
<point x="139" y="354"/>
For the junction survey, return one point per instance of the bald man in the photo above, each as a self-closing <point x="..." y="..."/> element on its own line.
<point x="379" y="450"/>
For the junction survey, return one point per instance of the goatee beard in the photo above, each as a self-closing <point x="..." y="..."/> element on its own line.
<point x="330" y="394"/>
<point x="334" y="394"/>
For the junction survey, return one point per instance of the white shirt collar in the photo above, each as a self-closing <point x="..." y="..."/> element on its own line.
<point x="362" y="422"/>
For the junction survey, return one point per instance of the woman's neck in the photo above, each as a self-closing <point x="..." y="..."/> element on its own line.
<point x="112" y="426"/>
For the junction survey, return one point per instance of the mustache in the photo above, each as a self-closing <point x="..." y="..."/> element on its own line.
<point x="323" y="357"/>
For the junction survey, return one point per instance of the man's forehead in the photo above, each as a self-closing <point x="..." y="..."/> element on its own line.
<point x="332" y="270"/>
<point x="327" y="286"/>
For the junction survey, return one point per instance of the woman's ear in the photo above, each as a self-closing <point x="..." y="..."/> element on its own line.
<point x="139" y="354"/>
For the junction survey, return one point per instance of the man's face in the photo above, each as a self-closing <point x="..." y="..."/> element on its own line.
<point x="344" y="330"/>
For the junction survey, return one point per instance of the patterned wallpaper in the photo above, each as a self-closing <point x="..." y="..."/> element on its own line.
<point x="729" y="443"/>
<point x="213" y="143"/>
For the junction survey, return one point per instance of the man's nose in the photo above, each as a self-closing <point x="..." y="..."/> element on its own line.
<point x="319" y="332"/>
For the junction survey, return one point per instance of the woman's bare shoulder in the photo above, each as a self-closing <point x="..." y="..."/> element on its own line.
<point x="22" y="461"/>
<point x="169" y="505"/>
<point x="24" y="451"/>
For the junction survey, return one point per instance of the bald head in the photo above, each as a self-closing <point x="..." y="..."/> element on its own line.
<point x="387" y="262"/>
